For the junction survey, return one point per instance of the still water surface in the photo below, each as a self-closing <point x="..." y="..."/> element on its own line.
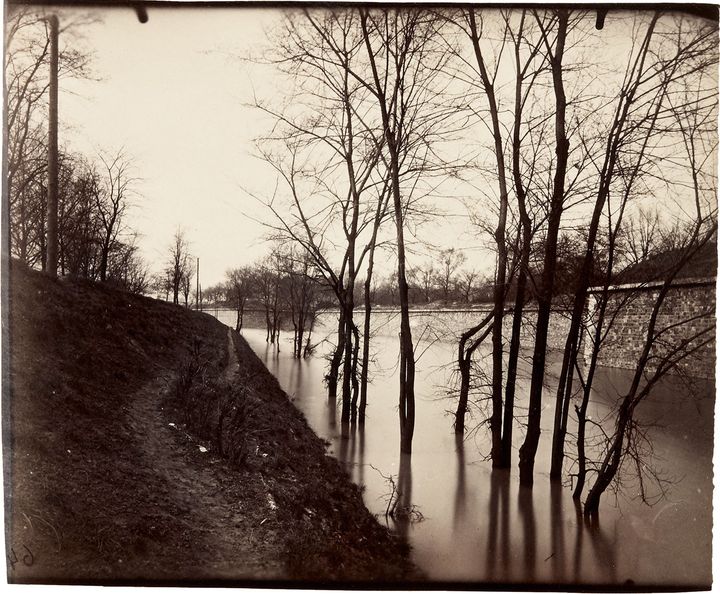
<point x="478" y="525"/>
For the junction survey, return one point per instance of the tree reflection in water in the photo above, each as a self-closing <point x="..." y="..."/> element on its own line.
<point x="497" y="549"/>
<point x="527" y="517"/>
<point x="479" y="527"/>
<point x="557" y="531"/>
<point x="460" y="507"/>
<point x="404" y="515"/>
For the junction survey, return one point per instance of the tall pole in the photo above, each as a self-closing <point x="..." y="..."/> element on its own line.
<point x="197" y="285"/>
<point x="51" y="262"/>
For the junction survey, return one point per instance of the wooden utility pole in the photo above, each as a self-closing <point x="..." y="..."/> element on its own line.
<point x="51" y="256"/>
<point x="197" y="284"/>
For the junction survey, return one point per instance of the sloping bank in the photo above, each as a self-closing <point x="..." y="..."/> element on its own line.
<point x="149" y="444"/>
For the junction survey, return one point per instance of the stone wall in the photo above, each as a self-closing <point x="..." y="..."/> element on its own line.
<point x="688" y="308"/>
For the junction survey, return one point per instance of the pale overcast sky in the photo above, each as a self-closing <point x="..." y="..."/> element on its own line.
<point x="173" y="93"/>
<point x="173" y="98"/>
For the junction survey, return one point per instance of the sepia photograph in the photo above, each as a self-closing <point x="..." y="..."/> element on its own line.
<point x="359" y="295"/>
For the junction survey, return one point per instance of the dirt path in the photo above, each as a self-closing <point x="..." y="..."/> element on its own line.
<point x="232" y="360"/>
<point x="107" y="485"/>
<point x="225" y="539"/>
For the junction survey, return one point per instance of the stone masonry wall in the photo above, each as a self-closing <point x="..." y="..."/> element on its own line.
<point x="679" y="315"/>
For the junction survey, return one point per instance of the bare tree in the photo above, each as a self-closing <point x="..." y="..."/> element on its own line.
<point x="467" y="284"/>
<point x="652" y="366"/>
<point x="126" y="268"/>
<point x="27" y="80"/>
<point x="111" y="195"/>
<point x="500" y="239"/>
<point x="179" y="265"/>
<point x="404" y="83"/>
<point x="694" y="119"/>
<point x="268" y="281"/>
<point x="450" y="261"/>
<point x="78" y="225"/>
<point x="510" y="238"/>
<point x="427" y="280"/>
<point x="479" y="63"/>
<point x="641" y="236"/>
<point x="337" y="198"/>
<point x="525" y="77"/>
<point x="301" y="296"/>
<point x="186" y="279"/>
<point x="555" y="54"/>
<point x="238" y="288"/>
<point x="641" y="109"/>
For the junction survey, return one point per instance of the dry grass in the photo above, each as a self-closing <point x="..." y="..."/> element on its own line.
<point x="93" y="492"/>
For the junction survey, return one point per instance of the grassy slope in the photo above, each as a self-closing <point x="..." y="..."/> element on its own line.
<point x="90" y="501"/>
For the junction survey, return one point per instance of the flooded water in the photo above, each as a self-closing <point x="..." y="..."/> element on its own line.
<point x="470" y="523"/>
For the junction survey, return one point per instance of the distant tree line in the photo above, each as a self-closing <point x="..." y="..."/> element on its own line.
<point x="285" y="287"/>
<point x="445" y="281"/>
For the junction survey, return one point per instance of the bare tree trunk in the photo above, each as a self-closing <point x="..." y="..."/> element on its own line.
<point x="347" y="365"/>
<point x="525" y="247"/>
<point x="464" y="360"/>
<point x="587" y="389"/>
<point x="104" y="253"/>
<point x="268" y="324"/>
<point x="333" y="372"/>
<point x="509" y="414"/>
<point x="499" y="289"/>
<point x="406" y="369"/>
<point x="293" y="315"/>
<point x="240" y="313"/>
<point x="407" y="355"/>
<point x="355" y="383"/>
<point x="365" y="362"/>
<point x="300" y="329"/>
<point x="532" y="437"/>
<point x="464" y="363"/>
<point x="307" y="349"/>
<point x="23" y="233"/>
<point x="299" y="341"/>
<point x="565" y="386"/>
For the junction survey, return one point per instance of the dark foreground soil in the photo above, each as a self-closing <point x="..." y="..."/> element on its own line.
<point x="148" y="444"/>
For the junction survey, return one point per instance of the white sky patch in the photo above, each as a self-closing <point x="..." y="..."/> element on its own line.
<point x="174" y="99"/>
<point x="175" y="92"/>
